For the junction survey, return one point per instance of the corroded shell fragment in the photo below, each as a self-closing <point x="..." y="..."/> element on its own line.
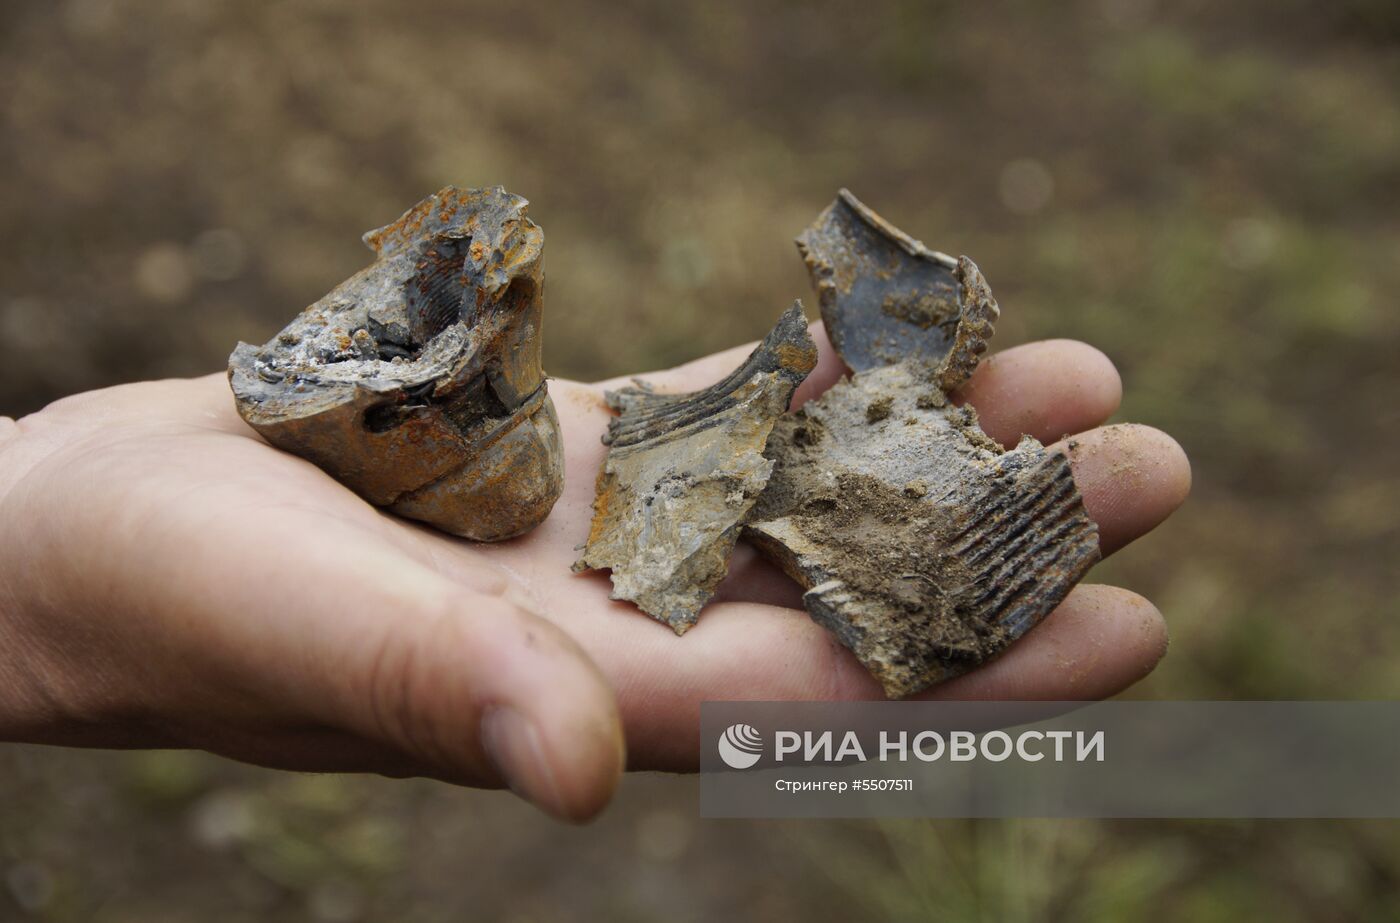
<point x="923" y="546"/>
<point x="682" y="473"/>
<point x="886" y="298"/>
<point x="417" y="381"/>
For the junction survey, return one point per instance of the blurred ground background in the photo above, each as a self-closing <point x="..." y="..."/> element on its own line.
<point x="1210" y="192"/>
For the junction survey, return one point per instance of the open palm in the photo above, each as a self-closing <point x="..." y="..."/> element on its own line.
<point x="168" y="579"/>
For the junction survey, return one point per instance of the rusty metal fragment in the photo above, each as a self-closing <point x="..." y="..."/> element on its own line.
<point x="682" y="473"/>
<point x="417" y="381"/>
<point x="923" y="546"/>
<point x="886" y="298"/>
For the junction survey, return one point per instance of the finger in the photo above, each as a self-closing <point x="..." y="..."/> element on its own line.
<point x="312" y="748"/>
<point x="466" y="683"/>
<point x="1099" y="641"/>
<point x="274" y="616"/>
<point x="1047" y="390"/>
<point x="1132" y="477"/>
<point x="467" y="686"/>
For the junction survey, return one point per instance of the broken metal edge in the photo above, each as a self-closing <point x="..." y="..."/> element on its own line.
<point x="1008" y="588"/>
<point x="910" y="245"/>
<point x="682" y="473"/>
<point x="887" y="298"/>
<point x="976" y="326"/>
<point x="1024" y="560"/>
<point x="647" y="415"/>
<point x="419" y="421"/>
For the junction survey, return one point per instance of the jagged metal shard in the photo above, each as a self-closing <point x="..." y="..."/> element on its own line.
<point x="682" y="473"/>
<point x="417" y="381"/>
<point x="923" y="546"/>
<point x="886" y="298"/>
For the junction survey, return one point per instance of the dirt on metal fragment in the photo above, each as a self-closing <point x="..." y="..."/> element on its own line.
<point x="923" y="546"/>
<point x="682" y="473"/>
<point x="417" y="382"/>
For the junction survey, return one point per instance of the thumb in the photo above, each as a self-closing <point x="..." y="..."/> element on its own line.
<point x="462" y="682"/>
<point x="279" y="635"/>
<point x="479" y="691"/>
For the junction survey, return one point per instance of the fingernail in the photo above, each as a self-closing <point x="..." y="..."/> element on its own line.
<point x="514" y="747"/>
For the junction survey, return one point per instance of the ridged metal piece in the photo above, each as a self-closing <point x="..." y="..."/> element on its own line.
<point x="682" y="473"/>
<point x="922" y="545"/>
<point x="417" y="382"/>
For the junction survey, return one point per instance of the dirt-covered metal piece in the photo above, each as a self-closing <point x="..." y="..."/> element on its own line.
<point x="682" y="472"/>
<point x="417" y="381"/>
<point x="923" y="546"/>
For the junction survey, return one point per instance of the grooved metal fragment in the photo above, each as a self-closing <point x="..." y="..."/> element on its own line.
<point x="922" y="546"/>
<point x="417" y="381"/>
<point x="682" y="473"/>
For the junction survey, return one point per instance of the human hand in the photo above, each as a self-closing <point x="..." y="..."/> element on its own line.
<point x="167" y="579"/>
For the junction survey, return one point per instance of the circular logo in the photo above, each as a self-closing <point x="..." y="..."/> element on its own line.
<point x="740" y="746"/>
